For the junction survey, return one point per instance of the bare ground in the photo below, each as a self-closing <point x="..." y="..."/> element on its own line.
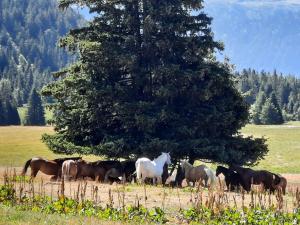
<point x="171" y="199"/>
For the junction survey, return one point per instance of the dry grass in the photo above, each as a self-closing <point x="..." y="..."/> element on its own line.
<point x="170" y="199"/>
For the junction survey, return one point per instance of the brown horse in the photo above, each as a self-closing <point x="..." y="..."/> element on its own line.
<point x="90" y="169"/>
<point x="49" y="167"/>
<point x="267" y="179"/>
<point x="282" y="185"/>
<point x="194" y="174"/>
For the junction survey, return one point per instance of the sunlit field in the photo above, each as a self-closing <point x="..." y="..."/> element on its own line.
<point x="19" y="143"/>
<point x="284" y="146"/>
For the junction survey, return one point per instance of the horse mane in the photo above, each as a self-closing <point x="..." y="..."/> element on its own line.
<point x="186" y="164"/>
<point x="160" y="156"/>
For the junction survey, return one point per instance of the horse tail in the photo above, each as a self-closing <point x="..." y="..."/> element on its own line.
<point x="138" y="170"/>
<point x="65" y="169"/>
<point x="27" y="164"/>
<point x="210" y="175"/>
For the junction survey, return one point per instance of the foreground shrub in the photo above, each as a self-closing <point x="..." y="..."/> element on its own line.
<point x="249" y="216"/>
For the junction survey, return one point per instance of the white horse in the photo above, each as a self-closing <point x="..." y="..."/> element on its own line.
<point x="145" y="168"/>
<point x="69" y="169"/>
<point x="211" y="176"/>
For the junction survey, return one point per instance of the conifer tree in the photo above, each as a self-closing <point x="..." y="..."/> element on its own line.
<point x="35" y="114"/>
<point x="8" y="108"/>
<point x="269" y="114"/>
<point x="258" y="105"/>
<point x="146" y="82"/>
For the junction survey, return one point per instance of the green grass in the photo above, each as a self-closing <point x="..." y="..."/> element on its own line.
<point x="19" y="143"/>
<point x="284" y="145"/>
<point x="12" y="216"/>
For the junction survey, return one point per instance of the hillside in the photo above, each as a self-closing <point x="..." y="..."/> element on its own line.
<point x="29" y="31"/>
<point x="258" y="34"/>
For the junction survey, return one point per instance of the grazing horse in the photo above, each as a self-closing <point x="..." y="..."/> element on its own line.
<point x="249" y="176"/>
<point x="123" y="169"/>
<point x="69" y="169"/>
<point x="198" y="173"/>
<point x="48" y="167"/>
<point x="282" y="185"/>
<point x="152" y="169"/>
<point x="98" y="170"/>
<point x="90" y="169"/>
<point x="233" y="180"/>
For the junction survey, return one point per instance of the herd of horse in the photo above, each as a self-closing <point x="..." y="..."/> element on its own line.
<point x="155" y="171"/>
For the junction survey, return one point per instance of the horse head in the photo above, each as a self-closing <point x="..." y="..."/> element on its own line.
<point x="219" y="170"/>
<point x="185" y="165"/>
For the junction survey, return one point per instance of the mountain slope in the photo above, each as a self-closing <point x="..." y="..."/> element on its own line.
<point x="260" y="34"/>
<point x="29" y="31"/>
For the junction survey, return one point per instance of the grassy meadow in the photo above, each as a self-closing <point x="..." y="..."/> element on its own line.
<point x="19" y="143"/>
<point x="284" y="146"/>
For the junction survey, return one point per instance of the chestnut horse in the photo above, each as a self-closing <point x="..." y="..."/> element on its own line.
<point x="249" y="176"/>
<point x="49" y="167"/>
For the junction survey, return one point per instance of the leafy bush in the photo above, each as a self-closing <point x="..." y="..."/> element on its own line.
<point x="247" y="216"/>
<point x="7" y="194"/>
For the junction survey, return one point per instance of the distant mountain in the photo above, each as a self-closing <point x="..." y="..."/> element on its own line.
<point x="259" y="34"/>
<point x="29" y="31"/>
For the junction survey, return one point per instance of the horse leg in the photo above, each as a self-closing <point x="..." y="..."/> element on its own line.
<point x="159" y="180"/>
<point x="34" y="173"/>
<point x="108" y="173"/>
<point x="187" y="181"/>
<point x="206" y="182"/>
<point x="154" y="181"/>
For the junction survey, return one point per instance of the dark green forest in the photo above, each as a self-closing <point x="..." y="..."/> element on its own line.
<point x="29" y="31"/>
<point x="29" y="53"/>
<point x="272" y="94"/>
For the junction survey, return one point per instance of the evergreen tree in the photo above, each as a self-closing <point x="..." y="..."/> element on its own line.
<point x="285" y="88"/>
<point x="147" y="82"/>
<point x="8" y="110"/>
<point x="35" y="114"/>
<point x="258" y="105"/>
<point x="2" y="118"/>
<point x="269" y="113"/>
<point x="29" y="31"/>
<point x="274" y="101"/>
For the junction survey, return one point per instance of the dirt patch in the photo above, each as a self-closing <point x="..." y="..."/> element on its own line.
<point x="171" y="199"/>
